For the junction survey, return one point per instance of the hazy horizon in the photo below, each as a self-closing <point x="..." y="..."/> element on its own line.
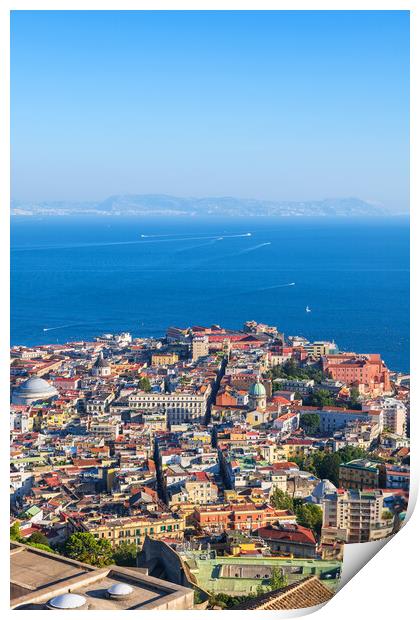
<point x="265" y="105"/>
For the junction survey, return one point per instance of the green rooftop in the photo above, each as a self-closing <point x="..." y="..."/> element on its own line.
<point x="211" y="576"/>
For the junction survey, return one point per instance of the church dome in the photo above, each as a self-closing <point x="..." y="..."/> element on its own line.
<point x="257" y="389"/>
<point x="101" y="362"/>
<point x="32" y="390"/>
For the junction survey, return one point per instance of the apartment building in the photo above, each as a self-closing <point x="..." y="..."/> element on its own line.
<point x="355" y="516"/>
<point x="199" y="347"/>
<point x="359" y="474"/>
<point x="239" y="516"/>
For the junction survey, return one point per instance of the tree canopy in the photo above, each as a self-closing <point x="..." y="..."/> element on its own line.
<point x="320" y="398"/>
<point x="291" y="370"/>
<point x="310" y="515"/>
<point x="125" y="554"/>
<point x="84" y="547"/>
<point x="326" y="465"/>
<point x="281" y="500"/>
<point x="277" y="580"/>
<point x="144" y="384"/>
<point x="310" y="422"/>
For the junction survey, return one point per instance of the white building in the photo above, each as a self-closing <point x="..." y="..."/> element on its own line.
<point x="394" y="414"/>
<point x="178" y="406"/>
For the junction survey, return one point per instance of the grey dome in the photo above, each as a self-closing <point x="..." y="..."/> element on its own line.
<point x="101" y="362"/>
<point x="67" y="601"/>
<point x="323" y="488"/>
<point x="33" y="389"/>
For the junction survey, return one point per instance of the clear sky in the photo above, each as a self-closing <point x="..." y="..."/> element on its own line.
<point x="276" y="105"/>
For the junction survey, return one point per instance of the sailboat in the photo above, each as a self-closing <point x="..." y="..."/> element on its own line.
<point x="308" y="309"/>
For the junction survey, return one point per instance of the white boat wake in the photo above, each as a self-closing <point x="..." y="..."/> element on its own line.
<point x="48" y="329"/>
<point x="268" y="288"/>
<point x="254" y="247"/>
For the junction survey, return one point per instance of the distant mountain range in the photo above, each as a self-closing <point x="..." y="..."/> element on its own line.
<point x="164" y="205"/>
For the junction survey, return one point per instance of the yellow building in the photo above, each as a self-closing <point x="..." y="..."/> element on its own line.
<point x="204" y="437"/>
<point x="55" y="418"/>
<point x="257" y="417"/>
<point x="294" y="449"/>
<point x="164" y="359"/>
<point x="319" y="348"/>
<point x="135" y="529"/>
<point x="238" y="548"/>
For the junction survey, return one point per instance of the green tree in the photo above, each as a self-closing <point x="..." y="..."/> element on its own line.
<point x="277" y="580"/>
<point x="84" y="547"/>
<point x="291" y="370"/>
<point x="125" y="554"/>
<point x="38" y="538"/>
<point x="144" y="384"/>
<point x="15" y="532"/>
<point x="310" y="515"/>
<point x="349" y="453"/>
<point x="327" y="466"/>
<point x="387" y="515"/>
<point x="321" y="398"/>
<point x="354" y="402"/>
<point x="281" y="500"/>
<point x="310" y="422"/>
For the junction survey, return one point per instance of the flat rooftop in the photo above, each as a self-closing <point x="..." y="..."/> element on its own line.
<point x="37" y="576"/>
<point x="218" y="574"/>
<point x="31" y="570"/>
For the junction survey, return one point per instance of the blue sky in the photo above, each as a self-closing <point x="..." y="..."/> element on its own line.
<point x="287" y="105"/>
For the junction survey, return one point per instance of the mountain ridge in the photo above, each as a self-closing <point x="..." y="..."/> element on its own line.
<point x="166" y="204"/>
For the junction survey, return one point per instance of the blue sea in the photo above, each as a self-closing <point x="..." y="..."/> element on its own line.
<point x="74" y="278"/>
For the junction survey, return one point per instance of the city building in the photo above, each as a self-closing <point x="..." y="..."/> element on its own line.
<point x="164" y="359"/>
<point x="289" y="539"/>
<point x="355" y="516"/>
<point x="359" y="474"/>
<point x="131" y="529"/>
<point x="179" y="407"/>
<point x="199" y="347"/>
<point x="366" y="372"/>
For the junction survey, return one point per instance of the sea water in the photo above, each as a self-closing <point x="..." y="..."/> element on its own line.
<point x="74" y="278"/>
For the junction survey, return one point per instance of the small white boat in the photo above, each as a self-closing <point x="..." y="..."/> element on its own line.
<point x="308" y="309"/>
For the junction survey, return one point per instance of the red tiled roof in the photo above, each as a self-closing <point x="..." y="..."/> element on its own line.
<point x="295" y="533"/>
